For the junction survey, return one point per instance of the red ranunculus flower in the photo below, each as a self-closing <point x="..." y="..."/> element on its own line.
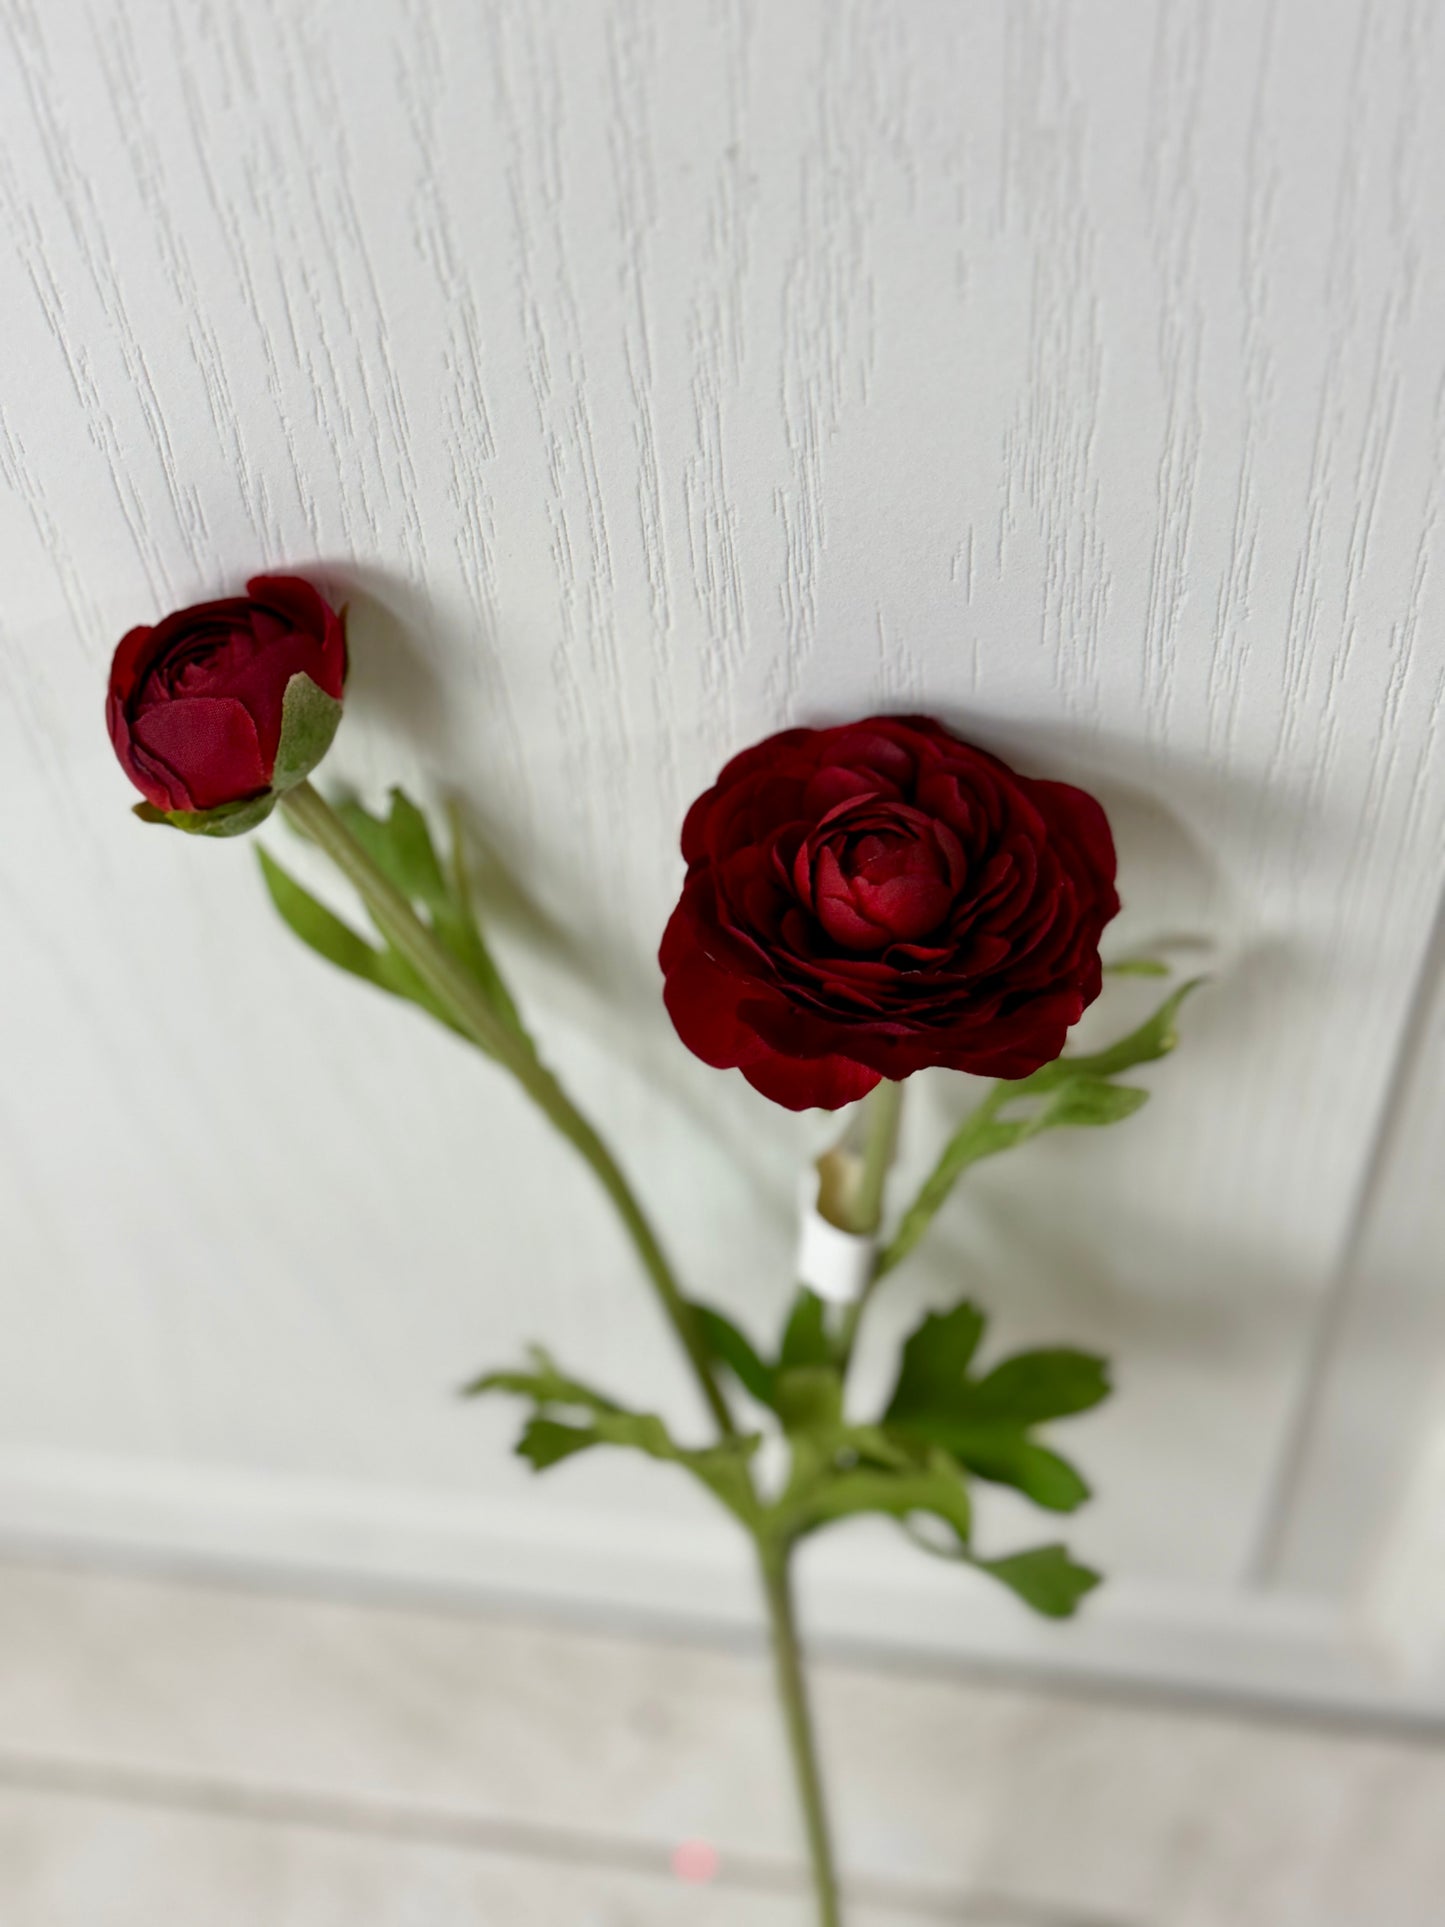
<point x="197" y="704"/>
<point x="866" y="901"/>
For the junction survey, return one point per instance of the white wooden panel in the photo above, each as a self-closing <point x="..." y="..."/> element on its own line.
<point x="302" y="1760"/>
<point x="1365" y="1480"/>
<point x="650" y="375"/>
<point x="82" y="1862"/>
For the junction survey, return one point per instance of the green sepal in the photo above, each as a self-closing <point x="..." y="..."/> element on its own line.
<point x="227" y="819"/>
<point x="309" y="722"/>
<point x="1137" y="967"/>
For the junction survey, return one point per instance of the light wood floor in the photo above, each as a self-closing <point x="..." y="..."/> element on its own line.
<point x="209" y="1755"/>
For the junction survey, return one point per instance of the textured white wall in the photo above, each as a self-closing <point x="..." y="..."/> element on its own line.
<point x="650" y="375"/>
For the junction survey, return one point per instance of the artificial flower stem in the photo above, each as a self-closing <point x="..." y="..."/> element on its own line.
<point x="458" y="992"/>
<point x="884" y="1108"/>
<point x="774" y="1556"/>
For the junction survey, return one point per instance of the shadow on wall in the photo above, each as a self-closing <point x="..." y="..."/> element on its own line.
<point x="1173" y="858"/>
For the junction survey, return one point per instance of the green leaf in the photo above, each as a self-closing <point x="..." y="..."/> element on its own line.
<point x="873" y="1445"/>
<point x="547" y="1440"/>
<point x="335" y="940"/>
<point x="317" y="926"/>
<point x="1137" y="967"/>
<point x="1090" y="1101"/>
<point x="809" y="1398"/>
<point x="401" y="846"/>
<point x="805" y="1338"/>
<point x="1045" y="1578"/>
<point x="1031" y="1387"/>
<point x="1078" y="1092"/>
<point x="936" y="1488"/>
<point x="983" y="1423"/>
<point x="309" y="721"/>
<point x="732" y="1347"/>
<point x="1005" y="1456"/>
<point x="1153" y="1039"/>
<point x="544" y="1383"/>
<point x="935" y="1359"/>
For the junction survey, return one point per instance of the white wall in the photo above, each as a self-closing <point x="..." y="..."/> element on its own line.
<point x="649" y="375"/>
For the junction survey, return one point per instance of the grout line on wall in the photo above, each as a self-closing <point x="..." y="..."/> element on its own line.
<point x="587" y="1618"/>
<point x="282" y="1806"/>
<point x="1315" y="1374"/>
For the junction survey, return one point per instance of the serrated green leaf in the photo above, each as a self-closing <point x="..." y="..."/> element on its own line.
<point x="805" y="1338"/>
<point x="983" y="1423"/>
<point x="1032" y="1387"/>
<point x="547" y="1440"/>
<point x="733" y="1348"/>
<point x="935" y="1360"/>
<point x="544" y="1383"/>
<point x="1045" y="1578"/>
<point x="1005" y="1456"/>
<point x="809" y="1398"/>
<point x="309" y="721"/>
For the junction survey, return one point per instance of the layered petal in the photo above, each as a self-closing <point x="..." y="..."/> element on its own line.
<point x="872" y="899"/>
<point x="196" y="702"/>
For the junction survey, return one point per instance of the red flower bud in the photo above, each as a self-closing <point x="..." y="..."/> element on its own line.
<point x="866" y="901"/>
<point x="220" y="707"/>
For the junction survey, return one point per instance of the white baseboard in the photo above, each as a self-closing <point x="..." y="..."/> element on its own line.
<point x="864" y="1595"/>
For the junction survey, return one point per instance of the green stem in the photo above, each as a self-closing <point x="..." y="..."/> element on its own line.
<point x="885" y="1107"/>
<point x="459" y="992"/>
<point x="774" y="1557"/>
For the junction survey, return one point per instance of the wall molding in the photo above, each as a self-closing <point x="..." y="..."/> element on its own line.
<point x="863" y="1596"/>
